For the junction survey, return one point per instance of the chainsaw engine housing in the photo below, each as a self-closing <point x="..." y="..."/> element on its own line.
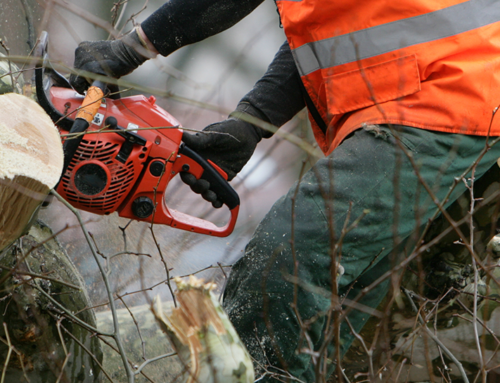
<point x="125" y="154"/>
<point x="106" y="166"/>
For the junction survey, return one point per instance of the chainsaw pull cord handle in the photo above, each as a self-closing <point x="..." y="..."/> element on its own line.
<point x="84" y="117"/>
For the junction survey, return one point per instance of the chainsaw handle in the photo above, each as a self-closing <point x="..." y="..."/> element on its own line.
<point x="218" y="184"/>
<point x="189" y="161"/>
<point x="198" y="225"/>
<point x="84" y="117"/>
<point x="92" y="101"/>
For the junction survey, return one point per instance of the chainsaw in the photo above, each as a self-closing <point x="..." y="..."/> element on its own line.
<point x="120" y="154"/>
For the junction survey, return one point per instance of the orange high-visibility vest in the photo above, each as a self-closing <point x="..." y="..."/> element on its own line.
<point x="431" y="64"/>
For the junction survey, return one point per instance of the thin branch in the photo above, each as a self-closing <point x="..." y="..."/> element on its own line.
<point x="67" y="284"/>
<point x="7" y="359"/>
<point x="143" y="343"/>
<point x="139" y="369"/>
<point x="88" y="352"/>
<point x="116" y="327"/>
<point x="436" y="339"/>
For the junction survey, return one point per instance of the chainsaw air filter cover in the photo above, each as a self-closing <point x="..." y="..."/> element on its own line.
<point x="95" y="180"/>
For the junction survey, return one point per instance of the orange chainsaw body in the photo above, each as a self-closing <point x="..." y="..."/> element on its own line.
<point x="128" y="154"/>
<point x="142" y="176"/>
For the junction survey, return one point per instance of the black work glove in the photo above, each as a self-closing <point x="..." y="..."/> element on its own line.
<point x="229" y="144"/>
<point x="113" y="58"/>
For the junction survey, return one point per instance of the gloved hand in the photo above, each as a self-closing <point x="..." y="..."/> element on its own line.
<point x="229" y="144"/>
<point x="113" y="58"/>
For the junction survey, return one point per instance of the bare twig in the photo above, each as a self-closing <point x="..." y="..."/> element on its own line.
<point x="143" y="343"/>
<point x="70" y="285"/>
<point x="9" y="353"/>
<point x="448" y="353"/>
<point x="148" y="361"/>
<point x="88" y="352"/>
<point x="167" y="270"/>
<point x="116" y="328"/>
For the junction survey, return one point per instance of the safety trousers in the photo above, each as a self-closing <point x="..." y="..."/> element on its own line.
<point x="279" y="294"/>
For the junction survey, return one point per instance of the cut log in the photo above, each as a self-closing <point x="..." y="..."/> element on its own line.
<point x="31" y="160"/>
<point x="205" y="340"/>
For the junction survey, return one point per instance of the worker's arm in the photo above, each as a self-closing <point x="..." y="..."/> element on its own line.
<point x="278" y="94"/>
<point x="275" y="99"/>
<point x="176" y="24"/>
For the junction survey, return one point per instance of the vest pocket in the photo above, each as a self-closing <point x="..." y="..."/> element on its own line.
<point x="373" y="84"/>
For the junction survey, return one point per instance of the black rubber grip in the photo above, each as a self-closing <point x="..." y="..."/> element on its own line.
<point x="218" y="184"/>
<point x="71" y="144"/>
<point x="79" y="126"/>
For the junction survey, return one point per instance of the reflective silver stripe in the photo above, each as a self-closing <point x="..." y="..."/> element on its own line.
<point x="398" y="34"/>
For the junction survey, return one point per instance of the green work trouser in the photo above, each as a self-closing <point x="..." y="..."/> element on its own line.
<point x="367" y="172"/>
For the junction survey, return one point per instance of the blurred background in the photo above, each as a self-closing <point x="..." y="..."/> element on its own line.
<point x="210" y="77"/>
